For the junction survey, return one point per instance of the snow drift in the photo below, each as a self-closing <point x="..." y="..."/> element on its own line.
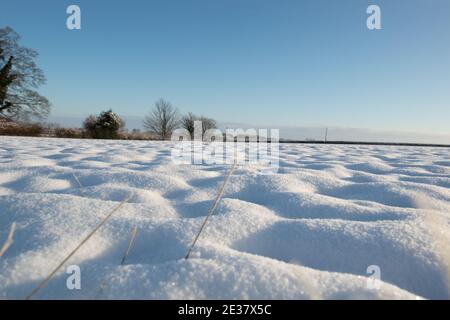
<point x="309" y="232"/>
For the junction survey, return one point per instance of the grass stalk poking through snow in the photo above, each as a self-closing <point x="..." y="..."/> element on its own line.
<point x="9" y="240"/>
<point x="211" y="209"/>
<point x="103" y="286"/>
<point x="77" y="180"/>
<point x="47" y="279"/>
<point x="130" y="244"/>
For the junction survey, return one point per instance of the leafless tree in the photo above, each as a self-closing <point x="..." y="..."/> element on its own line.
<point x="19" y="78"/>
<point x="207" y="124"/>
<point x="162" y="120"/>
<point x="188" y="123"/>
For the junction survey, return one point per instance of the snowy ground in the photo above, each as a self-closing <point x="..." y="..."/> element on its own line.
<point x="310" y="231"/>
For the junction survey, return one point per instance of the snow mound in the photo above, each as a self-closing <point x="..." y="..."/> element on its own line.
<point x="314" y="230"/>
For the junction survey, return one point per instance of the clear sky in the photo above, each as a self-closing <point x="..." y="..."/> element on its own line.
<point x="283" y="62"/>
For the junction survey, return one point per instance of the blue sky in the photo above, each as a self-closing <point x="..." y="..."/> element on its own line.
<point x="278" y="63"/>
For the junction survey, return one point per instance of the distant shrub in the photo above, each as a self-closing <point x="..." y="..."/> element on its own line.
<point x="106" y="126"/>
<point x="90" y="124"/>
<point x="136" y="134"/>
<point x="10" y="128"/>
<point x="68" y="133"/>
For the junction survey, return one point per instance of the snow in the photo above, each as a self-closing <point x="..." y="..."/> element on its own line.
<point x="309" y="232"/>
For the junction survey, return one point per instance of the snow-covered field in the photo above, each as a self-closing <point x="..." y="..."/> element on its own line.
<point x="311" y="231"/>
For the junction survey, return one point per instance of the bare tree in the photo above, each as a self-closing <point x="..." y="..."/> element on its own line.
<point x="163" y="119"/>
<point x="188" y="123"/>
<point x="19" y="78"/>
<point x="207" y="124"/>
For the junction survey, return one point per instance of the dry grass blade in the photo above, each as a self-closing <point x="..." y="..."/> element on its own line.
<point x="9" y="240"/>
<point x="47" y="279"/>
<point x="77" y="180"/>
<point x="211" y="209"/>
<point x="130" y="245"/>
<point x="104" y="285"/>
